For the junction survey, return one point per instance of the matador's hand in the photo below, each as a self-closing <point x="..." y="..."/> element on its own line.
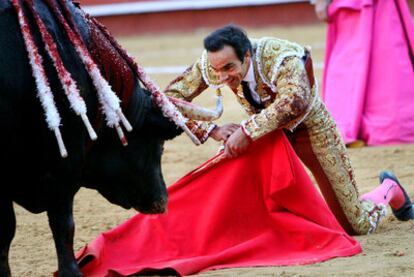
<point x="321" y="9"/>
<point x="224" y="132"/>
<point x="237" y="144"/>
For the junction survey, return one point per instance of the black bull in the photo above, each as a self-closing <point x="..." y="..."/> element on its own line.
<point x="33" y="174"/>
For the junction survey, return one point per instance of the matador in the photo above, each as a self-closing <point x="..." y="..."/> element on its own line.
<point x="273" y="81"/>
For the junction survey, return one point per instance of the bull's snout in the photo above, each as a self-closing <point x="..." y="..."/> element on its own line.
<point x="155" y="207"/>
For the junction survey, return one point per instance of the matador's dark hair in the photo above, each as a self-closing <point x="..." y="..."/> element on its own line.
<point x="230" y="35"/>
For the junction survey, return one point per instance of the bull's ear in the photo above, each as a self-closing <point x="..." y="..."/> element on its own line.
<point x="160" y="126"/>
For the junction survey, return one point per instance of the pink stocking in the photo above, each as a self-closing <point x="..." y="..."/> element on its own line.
<point x="389" y="192"/>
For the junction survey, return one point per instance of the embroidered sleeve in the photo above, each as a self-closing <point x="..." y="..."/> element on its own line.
<point x="292" y="100"/>
<point x="187" y="86"/>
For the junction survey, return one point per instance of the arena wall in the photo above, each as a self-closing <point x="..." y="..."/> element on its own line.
<point x="129" y="17"/>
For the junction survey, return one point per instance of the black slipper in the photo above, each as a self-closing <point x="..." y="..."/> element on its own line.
<point x="406" y="212"/>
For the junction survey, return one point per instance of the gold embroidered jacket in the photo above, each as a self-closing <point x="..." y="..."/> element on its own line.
<point x="282" y="85"/>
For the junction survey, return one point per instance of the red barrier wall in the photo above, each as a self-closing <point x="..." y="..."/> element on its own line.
<point x="189" y="20"/>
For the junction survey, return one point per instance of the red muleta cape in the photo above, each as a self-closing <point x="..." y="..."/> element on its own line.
<point x="260" y="209"/>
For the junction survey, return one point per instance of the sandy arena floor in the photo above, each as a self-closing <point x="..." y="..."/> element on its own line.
<point x="389" y="252"/>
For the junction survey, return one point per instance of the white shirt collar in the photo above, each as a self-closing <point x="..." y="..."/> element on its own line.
<point x="250" y="73"/>
<point x="251" y="82"/>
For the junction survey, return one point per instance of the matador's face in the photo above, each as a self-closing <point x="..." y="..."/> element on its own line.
<point x="230" y="69"/>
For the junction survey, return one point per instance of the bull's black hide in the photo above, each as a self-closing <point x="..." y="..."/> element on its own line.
<point x="33" y="174"/>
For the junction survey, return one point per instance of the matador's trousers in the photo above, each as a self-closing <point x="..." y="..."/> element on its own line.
<point x="319" y="145"/>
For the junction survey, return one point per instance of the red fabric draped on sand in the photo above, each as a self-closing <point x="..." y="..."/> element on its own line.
<point x="368" y="75"/>
<point x="258" y="210"/>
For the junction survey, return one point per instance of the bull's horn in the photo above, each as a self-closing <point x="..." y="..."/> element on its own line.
<point x="196" y="112"/>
